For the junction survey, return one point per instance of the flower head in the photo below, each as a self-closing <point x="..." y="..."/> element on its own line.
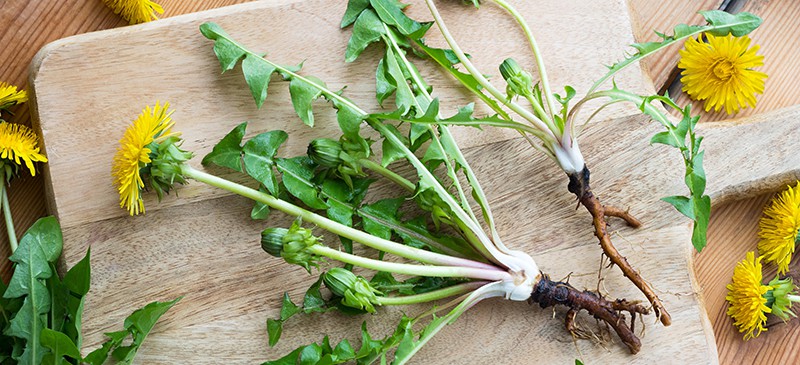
<point x="292" y="244"/>
<point x="748" y="305"/>
<point x="9" y="96"/>
<point x="779" y="227"/>
<point x="133" y="154"/>
<point x="18" y="144"/>
<point x="721" y="72"/>
<point x="356" y="291"/>
<point x="135" y="11"/>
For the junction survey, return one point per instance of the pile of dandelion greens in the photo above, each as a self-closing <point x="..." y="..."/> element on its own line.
<point x="441" y="249"/>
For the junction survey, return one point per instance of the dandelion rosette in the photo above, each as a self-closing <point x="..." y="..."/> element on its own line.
<point x="135" y="11"/>
<point x="148" y="148"/>
<point x="10" y="96"/>
<point x="720" y="72"/>
<point x="746" y="296"/>
<point x="778" y="229"/>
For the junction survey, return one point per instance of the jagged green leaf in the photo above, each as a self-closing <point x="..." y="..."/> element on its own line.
<point x="391" y="12"/>
<point x="257" y="74"/>
<point x="384" y="84"/>
<point x="260" y="210"/>
<point x="404" y="96"/>
<point x="304" y="91"/>
<point x="259" y="157"/>
<point x="298" y="174"/>
<point x="60" y="346"/>
<point x="354" y="9"/>
<point x="368" y="28"/>
<point x="339" y="207"/>
<point x="738" y="24"/>
<point x="682" y="204"/>
<point x="228" y="152"/>
<point x="702" y="208"/>
<point x="38" y="249"/>
<point x="228" y="53"/>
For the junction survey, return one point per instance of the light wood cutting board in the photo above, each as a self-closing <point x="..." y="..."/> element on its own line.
<point x="202" y="244"/>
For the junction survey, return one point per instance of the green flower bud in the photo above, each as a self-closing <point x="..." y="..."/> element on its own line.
<point x="781" y="297"/>
<point x="165" y="168"/>
<point x="272" y="240"/>
<point x="356" y="292"/>
<point x="520" y="82"/>
<point x="325" y="152"/>
<point x="339" y="280"/>
<point x="291" y="244"/>
<point x="295" y="246"/>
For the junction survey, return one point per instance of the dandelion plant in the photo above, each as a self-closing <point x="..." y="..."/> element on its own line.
<point x="446" y="245"/>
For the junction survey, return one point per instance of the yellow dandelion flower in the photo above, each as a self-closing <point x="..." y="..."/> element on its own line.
<point x="133" y="154"/>
<point x="9" y="96"/>
<point x="135" y="11"/>
<point x="746" y="297"/>
<point x="721" y="72"/>
<point x="18" y="144"/>
<point x="778" y="229"/>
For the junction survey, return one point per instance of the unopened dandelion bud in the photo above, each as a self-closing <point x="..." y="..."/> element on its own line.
<point x="296" y="242"/>
<point x="325" y="152"/>
<point x="339" y="280"/>
<point x="356" y="292"/>
<point x="272" y="240"/>
<point x="520" y="82"/>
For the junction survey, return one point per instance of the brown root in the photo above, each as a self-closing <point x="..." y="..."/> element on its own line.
<point x="550" y="293"/>
<point x="622" y="214"/>
<point x="579" y="185"/>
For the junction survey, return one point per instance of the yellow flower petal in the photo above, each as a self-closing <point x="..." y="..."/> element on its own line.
<point x="133" y="154"/>
<point x="19" y="144"/>
<point x="779" y="227"/>
<point x="135" y="11"/>
<point x="746" y="297"/>
<point x="9" y="96"/>
<point x="721" y="72"/>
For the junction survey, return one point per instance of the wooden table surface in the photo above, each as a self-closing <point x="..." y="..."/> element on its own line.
<point x="29" y="25"/>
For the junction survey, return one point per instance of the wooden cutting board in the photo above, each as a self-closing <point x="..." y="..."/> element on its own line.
<point x="202" y="245"/>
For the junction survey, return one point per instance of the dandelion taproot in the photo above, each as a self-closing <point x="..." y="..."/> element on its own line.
<point x="720" y="72"/>
<point x="133" y="154"/>
<point x="778" y="229"/>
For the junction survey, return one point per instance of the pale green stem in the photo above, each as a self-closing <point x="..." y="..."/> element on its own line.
<point x="793" y="298"/>
<point x="410" y="269"/>
<point x="389" y="174"/>
<point x="536" y="54"/>
<point x="486" y="291"/>
<point x="421" y="86"/>
<point x="540" y="112"/>
<point x="445" y="133"/>
<point x="12" y="234"/>
<point x="334" y="227"/>
<point x="432" y="295"/>
<point x="482" y="80"/>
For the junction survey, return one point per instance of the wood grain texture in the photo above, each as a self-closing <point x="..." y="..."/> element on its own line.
<point x="201" y="245"/>
<point x="28" y="25"/>
<point x="733" y="228"/>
